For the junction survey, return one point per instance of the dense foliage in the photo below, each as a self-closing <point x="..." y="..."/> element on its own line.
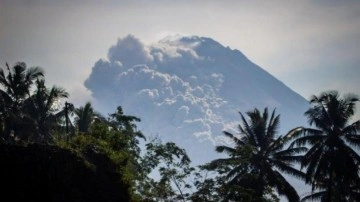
<point x="254" y="166"/>
<point x="49" y="173"/>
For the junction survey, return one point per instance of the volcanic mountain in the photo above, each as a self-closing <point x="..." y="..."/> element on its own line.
<point x="188" y="90"/>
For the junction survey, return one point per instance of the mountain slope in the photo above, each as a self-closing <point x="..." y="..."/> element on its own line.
<point x="188" y="90"/>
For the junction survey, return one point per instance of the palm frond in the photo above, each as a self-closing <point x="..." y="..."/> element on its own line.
<point x="312" y="152"/>
<point x="354" y="156"/>
<point x="248" y="131"/>
<point x="55" y="94"/>
<point x="258" y="127"/>
<point x="309" y="139"/>
<point x="289" y="159"/>
<point x="273" y="125"/>
<point x="235" y="173"/>
<point x="349" y="102"/>
<point x="237" y="141"/>
<point x="318" y="113"/>
<point x="321" y="170"/>
<point x="226" y="149"/>
<point x="221" y="162"/>
<point x="282" y="185"/>
<point x="291" y="151"/>
<point x="33" y="73"/>
<point x="288" y="169"/>
<point x="315" y="196"/>
<point x="3" y="80"/>
<point x="352" y="134"/>
<point x="311" y="162"/>
<point x="294" y="133"/>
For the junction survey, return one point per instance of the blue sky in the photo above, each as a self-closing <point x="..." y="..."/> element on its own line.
<point x="311" y="46"/>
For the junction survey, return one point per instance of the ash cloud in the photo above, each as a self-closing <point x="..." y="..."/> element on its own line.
<point x="129" y="51"/>
<point x="184" y="89"/>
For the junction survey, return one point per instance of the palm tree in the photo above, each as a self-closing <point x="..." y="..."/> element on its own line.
<point x="19" y="80"/>
<point x="85" y="115"/>
<point x="332" y="164"/>
<point x="16" y="88"/>
<point x="42" y="108"/>
<point x="258" y="156"/>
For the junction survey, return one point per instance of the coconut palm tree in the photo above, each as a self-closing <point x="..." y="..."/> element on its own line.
<point x="258" y="157"/>
<point x="18" y="81"/>
<point x="85" y="115"/>
<point x="42" y="109"/>
<point x="332" y="164"/>
<point x="16" y="86"/>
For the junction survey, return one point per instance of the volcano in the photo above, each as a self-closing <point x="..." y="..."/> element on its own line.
<point x="188" y="90"/>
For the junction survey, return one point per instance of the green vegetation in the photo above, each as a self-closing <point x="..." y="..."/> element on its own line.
<point x="35" y="132"/>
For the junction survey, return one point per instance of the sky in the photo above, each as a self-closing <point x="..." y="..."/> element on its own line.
<point x="311" y="46"/>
